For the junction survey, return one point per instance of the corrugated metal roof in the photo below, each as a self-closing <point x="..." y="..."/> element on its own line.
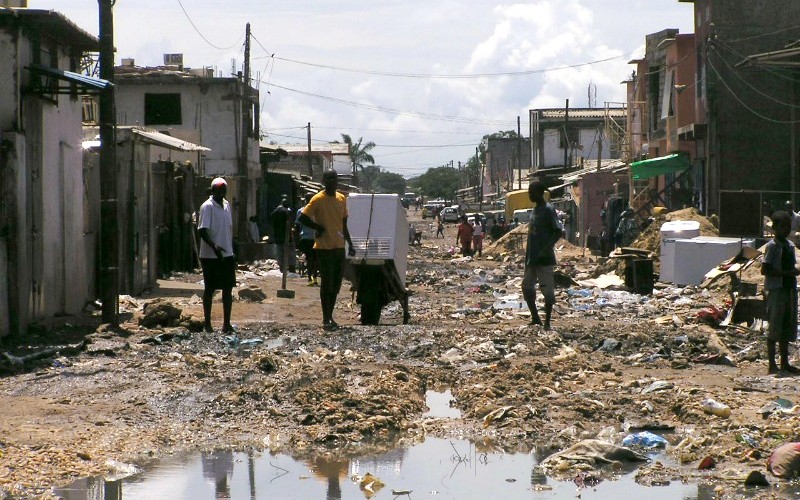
<point x="598" y="113"/>
<point x="612" y="165"/>
<point x="68" y="76"/>
<point x="52" y="24"/>
<point x="152" y="137"/>
<point x="167" y="141"/>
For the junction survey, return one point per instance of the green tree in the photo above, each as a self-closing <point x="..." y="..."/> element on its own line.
<point x="359" y="153"/>
<point x="390" y="182"/>
<point x="368" y="177"/>
<point x="439" y="182"/>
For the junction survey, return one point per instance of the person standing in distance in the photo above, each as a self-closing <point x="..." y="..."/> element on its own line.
<point x="305" y="237"/>
<point x="540" y="258"/>
<point x="780" y="283"/>
<point x="215" y="225"/>
<point x="326" y="214"/>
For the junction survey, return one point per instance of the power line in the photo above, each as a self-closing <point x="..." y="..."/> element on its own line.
<point x="768" y="69"/>
<point x="405" y="131"/>
<point x="417" y="114"/>
<point x="442" y="76"/>
<point x="367" y="129"/>
<point x="379" y="145"/>
<point x="201" y="34"/>
<point x="428" y="146"/>
<point x="748" y="108"/>
<point x="761" y="35"/>
<point x="755" y="89"/>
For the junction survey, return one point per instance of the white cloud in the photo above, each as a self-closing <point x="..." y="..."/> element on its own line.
<point x="414" y="36"/>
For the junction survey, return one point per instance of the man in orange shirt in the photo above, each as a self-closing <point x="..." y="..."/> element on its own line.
<point x="326" y="213"/>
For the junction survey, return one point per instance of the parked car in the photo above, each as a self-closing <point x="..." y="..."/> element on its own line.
<point x="522" y="216"/>
<point x="429" y="210"/>
<point x="450" y="214"/>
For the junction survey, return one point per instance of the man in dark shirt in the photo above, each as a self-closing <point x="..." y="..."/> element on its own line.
<point x="544" y="231"/>
<point x="280" y="219"/>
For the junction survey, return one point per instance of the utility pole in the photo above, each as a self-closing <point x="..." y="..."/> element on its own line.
<point x="566" y="134"/>
<point x="310" y="168"/>
<point x="109" y="216"/>
<point x="481" y="172"/>
<point x="519" y="154"/>
<point x="460" y="179"/>
<point x="246" y="108"/>
<point x="599" y="146"/>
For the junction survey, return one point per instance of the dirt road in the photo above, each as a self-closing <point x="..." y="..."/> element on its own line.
<point x="614" y="363"/>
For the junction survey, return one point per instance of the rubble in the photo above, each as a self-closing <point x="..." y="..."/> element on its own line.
<point x="616" y="363"/>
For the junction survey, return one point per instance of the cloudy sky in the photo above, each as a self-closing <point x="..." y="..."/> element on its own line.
<point x="423" y="80"/>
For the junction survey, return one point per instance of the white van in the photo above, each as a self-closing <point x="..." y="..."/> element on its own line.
<point x="449" y="214"/>
<point x="522" y="216"/>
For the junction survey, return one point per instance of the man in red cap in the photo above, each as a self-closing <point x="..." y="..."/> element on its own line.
<point x="215" y="225"/>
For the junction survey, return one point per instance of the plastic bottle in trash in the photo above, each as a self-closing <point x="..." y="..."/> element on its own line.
<point x="716" y="408"/>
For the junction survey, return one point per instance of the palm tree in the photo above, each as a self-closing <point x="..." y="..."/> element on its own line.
<point x="359" y="155"/>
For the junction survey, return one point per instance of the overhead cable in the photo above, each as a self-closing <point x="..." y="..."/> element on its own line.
<point x="417" y="114"/>
<point x="441" y="76"/>
<point x="740" y="101"/>
<point x="201" y="34"/>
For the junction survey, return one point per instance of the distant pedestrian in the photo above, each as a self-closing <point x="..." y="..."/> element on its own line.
<point x="439" y="228"/>
<point x="780" y="283"/>
<point x="252" y="229"/>
<point x="544" y="231"/>
<point x="215" y="225"/>
<point x="280" y="219"/>
<point x="326" y="213"/>
<point x="627" y="230"/>
<point x="477" y="236"/>
<point x="496" y="231"/>
<point x="464" y="236"/>
<point x="305" y="241"/>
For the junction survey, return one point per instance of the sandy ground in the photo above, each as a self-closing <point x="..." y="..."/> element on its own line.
<point x="609" y="367"/>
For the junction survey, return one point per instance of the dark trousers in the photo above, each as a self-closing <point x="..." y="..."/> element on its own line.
<point x="331" y="267"/>
<point x="307" y="247"/>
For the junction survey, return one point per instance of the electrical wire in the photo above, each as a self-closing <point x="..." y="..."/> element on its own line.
<point x="755" y="89"/>
<point x="748" y="108"/>
<point x="761" y="35"/>
<point x="442" y="76"/>
<point x="405" y="131"/>
<point x="763" y="67"/>
<point x="201" y="34"/>
<point x="417" y="114"/>
<point x="379" y="145"/>
<point x="668" y="66"/>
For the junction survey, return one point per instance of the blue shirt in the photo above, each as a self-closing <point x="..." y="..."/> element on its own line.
<point x="544" y="231"/>
<point x="306" y="233"/>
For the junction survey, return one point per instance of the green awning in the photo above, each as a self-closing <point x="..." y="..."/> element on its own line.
<point x="654" y="167"/>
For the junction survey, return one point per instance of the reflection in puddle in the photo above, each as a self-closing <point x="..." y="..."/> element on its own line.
<point x="437" y="468"/>
<point x="438" y="404"/>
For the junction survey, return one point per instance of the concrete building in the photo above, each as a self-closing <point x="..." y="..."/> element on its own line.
<point x="48" y="234"/>
<point x="508" y="164"/>
<point x="561" y="137"/>
<point x="156" y="199"/>
<point x="750" y="109"/>
<point x="324" y="156"/>
<point x="662" y="121"/>
<point x="198" y="107"/>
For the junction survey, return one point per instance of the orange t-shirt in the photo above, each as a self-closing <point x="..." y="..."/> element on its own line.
<point x="328" y="211"/>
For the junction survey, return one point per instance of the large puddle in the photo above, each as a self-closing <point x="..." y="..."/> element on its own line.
<point x="437" y="469"/>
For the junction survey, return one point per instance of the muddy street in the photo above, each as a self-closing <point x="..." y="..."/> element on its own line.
<point x="614" y="364"/>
